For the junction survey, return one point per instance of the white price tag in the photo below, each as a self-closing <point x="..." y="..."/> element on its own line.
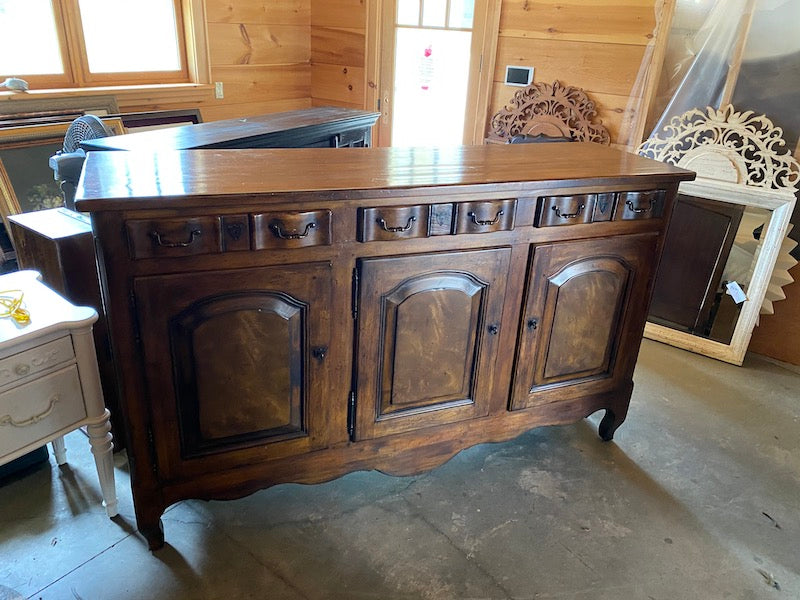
<point x="735" y="291"/>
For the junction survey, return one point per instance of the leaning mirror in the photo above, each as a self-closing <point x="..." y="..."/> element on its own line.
<point x="727" y="230"/>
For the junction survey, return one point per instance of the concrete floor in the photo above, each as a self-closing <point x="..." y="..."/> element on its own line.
<point x="698" y="497"/>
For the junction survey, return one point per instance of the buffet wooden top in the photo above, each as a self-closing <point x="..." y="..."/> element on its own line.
<point x="127" y="180"/>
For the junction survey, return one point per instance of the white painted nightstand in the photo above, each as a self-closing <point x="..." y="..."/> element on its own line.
<point x="49" y="381"/>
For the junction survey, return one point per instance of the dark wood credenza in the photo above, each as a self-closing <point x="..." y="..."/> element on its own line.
<point x="319" y="127"/>
<point x="366" y="309"/>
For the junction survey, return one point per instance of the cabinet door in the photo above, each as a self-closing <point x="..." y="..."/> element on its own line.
<point x="427" y="338"/>
<point x="584" y="313"/>
<point x="235" y="364"/>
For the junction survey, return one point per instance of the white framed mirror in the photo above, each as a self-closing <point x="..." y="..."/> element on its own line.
<point x="739" y="160"/>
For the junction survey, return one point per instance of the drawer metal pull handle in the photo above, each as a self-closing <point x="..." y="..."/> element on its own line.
<point x="639" y="211"/>
<point x="291" y="235"/>
<point x="477" y="221"/>
<point x="193" y="235"/>
<point x="385" y="227"/>
<point x="569" y="215"/>
<point x="9" y="420"/>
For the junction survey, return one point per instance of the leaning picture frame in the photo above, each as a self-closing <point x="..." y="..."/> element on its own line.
<point x="26" y="179"/>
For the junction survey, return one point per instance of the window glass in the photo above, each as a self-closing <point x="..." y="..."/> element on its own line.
<point x="461" y="13"/>
<point x="434" y="13"/>
<point x="408" y="12"/>
<point x="126" y="37"/>
<point x="28" y="38"/>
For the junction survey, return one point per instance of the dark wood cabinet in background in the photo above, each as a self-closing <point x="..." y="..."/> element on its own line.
<point x="378" y="309"/>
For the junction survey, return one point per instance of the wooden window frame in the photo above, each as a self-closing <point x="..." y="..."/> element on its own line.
<point x="192" y="45"/>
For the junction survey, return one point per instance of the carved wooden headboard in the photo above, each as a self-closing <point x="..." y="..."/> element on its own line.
<point x="548" y="110"/>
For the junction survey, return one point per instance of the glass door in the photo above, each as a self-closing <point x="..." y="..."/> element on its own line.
<point x="429" y="64"/>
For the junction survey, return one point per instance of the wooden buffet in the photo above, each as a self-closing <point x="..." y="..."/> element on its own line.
<point x="365" y="308"/>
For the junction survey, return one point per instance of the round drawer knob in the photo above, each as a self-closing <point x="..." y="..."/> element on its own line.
<point x="22" y="369"/>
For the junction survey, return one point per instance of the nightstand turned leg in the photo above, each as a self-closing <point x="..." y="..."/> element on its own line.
<point x="60" y="451"/>
<point x="100" y="439"/>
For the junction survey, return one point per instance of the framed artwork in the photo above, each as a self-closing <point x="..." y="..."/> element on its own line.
<point x="26" y="179"/>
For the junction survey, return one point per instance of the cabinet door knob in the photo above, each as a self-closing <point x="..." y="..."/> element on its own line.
<point x="494" y="329"/>
<point x="532" y="324"/>
<point x="320" y="352"/>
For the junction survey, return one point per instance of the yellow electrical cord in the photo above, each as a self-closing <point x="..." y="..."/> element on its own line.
<point x="11" y="306"/>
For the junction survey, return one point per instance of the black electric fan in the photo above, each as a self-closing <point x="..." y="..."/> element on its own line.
<point x="68" y="163"/>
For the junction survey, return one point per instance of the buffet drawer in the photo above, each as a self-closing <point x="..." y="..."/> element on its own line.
<point x="394" y="223"/>
<point x="485" y="216"/>
<point x="22" y="365"/>
<point x="38" y="409"/>
<point x="291" y="229"/>
<point x="169" y="238"/>
<point x="565" y="210"/>
<point x="640" y="205"/>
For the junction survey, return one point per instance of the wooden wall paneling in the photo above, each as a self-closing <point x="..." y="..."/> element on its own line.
<point x="338" y="52"/>
<point x="316" y="102"/>
<point x="286" y="12"/>
<point x="231" y="111"/>
<point x="339" y="13"/>
<point x="251" y="44"/>
<point x="592" y="66"/>
<point x="338" y="46"/>
<point x="261" y="52"/>
<point x="619" y="22"/>
<point x="335" y="82"/>
<point x="256" y="83"/>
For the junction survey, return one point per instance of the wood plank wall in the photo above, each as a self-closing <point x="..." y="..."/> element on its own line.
<point x="338" y="40"/>
<point x="261" y="52"/>
<point x="596" y="45"/>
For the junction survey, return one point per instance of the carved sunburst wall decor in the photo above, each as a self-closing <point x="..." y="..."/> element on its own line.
<point x="552" y="110"/>
<point x="753" y="146"/>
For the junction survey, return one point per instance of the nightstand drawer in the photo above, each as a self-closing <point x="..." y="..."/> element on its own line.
<point x="168" y="238"/>
<point x="22" y="365"/>
<point x="38" y="409"/>
<point x="292" y="229"/>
